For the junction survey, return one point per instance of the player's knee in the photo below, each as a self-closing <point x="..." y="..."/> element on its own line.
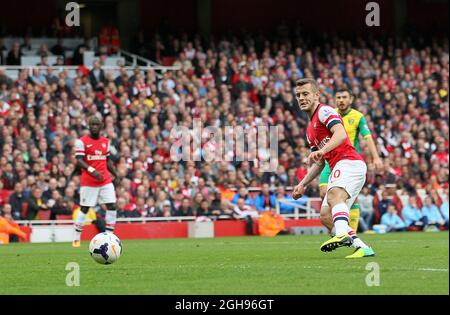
<point x="336" y="195"/>
<point x="323" y="191"/>
<point x="84" y="209"/>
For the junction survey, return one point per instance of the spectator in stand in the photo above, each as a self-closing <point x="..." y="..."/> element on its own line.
<point x="392" y="220"/>
<point x="244" y="195"/>
<point x="59" y="49"/>
<point x="58" y="206"/>
<point x="97" y="76"/>
<point x="413" y="216"/>
<point x="150" y="208"/>
<point x="35" y="204"/>
<point x="246" y="212"/>
<point x="17" y="201"/>
<point x="384" y="203"/>
<point x="265" y="199"/>
<point x="431" y="211"/>
<point x="166" y="209"/>
<point x="185" y="209"/>
<point x="27" y="48"/>
<point x="366" y="206"/>
<point x="14" y="56"/>
<point x="226" y="192"/>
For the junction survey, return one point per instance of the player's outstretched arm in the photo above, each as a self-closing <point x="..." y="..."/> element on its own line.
<point x="313" y="172"/>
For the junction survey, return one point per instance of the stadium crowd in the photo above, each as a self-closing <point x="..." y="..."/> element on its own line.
<point x="400" y="86"/>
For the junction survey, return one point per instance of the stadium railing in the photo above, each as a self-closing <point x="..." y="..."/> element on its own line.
<point x="136" y="59"/>
<point x="306" y="211"/>
<point x="13" y="71"/>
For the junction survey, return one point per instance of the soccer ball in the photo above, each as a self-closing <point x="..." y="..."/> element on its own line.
<point x="105" y="248"/>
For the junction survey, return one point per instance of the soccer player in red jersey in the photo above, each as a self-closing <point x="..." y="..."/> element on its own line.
<point x="96" y="187"/>
<point x="329" y="141"/>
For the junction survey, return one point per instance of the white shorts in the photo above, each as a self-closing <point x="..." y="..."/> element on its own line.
<point x="92" y="196"/>
<point x="350" y="175"/>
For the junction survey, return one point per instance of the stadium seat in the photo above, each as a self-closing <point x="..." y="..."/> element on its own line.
<point x="63" y="217"/>
<point x="24" y="210"/>
<point x="44" y="214"/>
<point x="167" y="61"/>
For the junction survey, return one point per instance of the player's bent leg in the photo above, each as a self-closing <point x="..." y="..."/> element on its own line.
<point x="326" y="218"/>
<point x="79" y="223"/>
<point x="336" y="198"/>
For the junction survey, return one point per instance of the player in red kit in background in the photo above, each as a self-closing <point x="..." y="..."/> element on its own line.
<point x="96" y="187"/>
<point x="329" y="141"/>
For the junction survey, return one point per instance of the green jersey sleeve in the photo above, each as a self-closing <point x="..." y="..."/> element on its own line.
<point x="363" y="128"/>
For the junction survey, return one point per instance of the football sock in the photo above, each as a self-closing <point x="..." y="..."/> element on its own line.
<point x="356" y="240"/>
<point x="79" y="222"/>
<point x="110" y="218"/>
<point x="340" y="214"/>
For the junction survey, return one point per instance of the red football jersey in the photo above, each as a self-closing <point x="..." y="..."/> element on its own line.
<point x="95" y="152"/>
<point x="318" y="134"/>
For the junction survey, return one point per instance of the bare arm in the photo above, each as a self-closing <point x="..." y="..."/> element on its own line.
<point x="372" y="148"/>
<point x="338" y="137"/>
<point x="82" y="163"/>
<point x="112" y="169"/>
<point x="374" y="153"/>
<point x="313" y="172"/>
<point x="90" y="169"/>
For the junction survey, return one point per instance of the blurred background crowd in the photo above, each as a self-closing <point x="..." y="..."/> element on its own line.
<point x="401" y="86"/>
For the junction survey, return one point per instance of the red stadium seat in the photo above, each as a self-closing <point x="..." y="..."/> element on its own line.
<point x="63" y="217"/>
<point x="24" y="210"/>
<point x="44" y="214"/>
<point x="167" y="61"/>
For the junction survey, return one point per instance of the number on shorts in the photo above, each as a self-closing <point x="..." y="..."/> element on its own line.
<point x="336" y="173"/>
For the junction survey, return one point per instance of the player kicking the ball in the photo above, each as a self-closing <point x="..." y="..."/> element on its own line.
<point x="92" y="152"/>
<point x="355" y="124"/>
<point x="329" y="142"/>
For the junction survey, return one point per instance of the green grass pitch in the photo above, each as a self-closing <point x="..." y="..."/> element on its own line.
<point x="409" y="263"/>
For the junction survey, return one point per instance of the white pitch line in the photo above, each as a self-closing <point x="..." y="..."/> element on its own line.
<point x="432" y="269"/>
<point x="396" y="269"/>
